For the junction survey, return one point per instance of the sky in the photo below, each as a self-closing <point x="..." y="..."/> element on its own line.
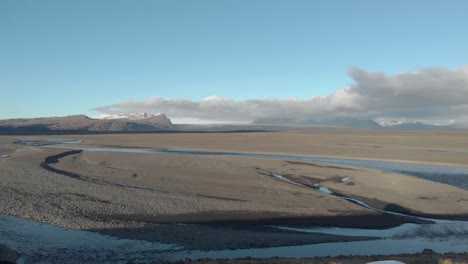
<point x="235" y="60"/>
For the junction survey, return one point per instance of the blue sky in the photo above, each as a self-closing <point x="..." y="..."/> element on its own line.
<point x="68" y="57"/>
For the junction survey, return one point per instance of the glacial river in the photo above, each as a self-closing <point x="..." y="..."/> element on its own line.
<point x="455" y="176"/>
<point x="45" y="243"/>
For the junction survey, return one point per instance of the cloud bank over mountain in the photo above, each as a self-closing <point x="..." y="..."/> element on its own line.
<point x="427" y="94"/>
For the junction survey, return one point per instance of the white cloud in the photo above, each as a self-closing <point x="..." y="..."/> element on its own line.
<point x="435" y="87"/>
<point x="432" y="93"/>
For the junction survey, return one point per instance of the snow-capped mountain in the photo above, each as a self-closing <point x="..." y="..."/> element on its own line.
<point x="128" y="116"/>
<point x="144" y="118"/>
<point x="375" y="124"/>
<point x="413" y="124"/>
<point x="400" y="122"/>
<point x="389" y="123"/>
<point x="82" y="123"/>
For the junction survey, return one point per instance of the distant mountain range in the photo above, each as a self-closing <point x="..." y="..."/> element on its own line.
<point x="360" y="123"/>
<point x="82" y="123"/>
<point x="352" y="123"/>
<point x="392" y="122"/>
<point x="135" y="123"/>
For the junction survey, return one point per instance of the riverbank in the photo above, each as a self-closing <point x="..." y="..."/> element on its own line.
<point x="426" y="257"/>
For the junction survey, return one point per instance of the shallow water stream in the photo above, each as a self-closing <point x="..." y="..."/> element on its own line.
<point x="41" y="243"/>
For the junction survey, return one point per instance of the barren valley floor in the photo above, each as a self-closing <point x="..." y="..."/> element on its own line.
<point x="135" y="195"/>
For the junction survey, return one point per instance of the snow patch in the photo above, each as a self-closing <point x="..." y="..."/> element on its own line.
<point x="127" y="116"/>
<point x="345" y="179"/>
<point x="389" y="122"/>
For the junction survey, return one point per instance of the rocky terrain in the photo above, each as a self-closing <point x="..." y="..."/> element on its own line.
<point x="82" y="123"/>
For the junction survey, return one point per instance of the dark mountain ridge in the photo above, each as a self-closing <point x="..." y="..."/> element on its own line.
<point x="82" y="123"/>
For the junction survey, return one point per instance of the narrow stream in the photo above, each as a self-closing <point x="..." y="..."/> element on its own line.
<point x="349" y="199"/>
<point x="45" y="243"/>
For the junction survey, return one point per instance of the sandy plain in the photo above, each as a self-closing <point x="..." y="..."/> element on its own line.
<point x="406" y="146"/>
<point x="231" y="188"/>
<point x="127" y="194"/>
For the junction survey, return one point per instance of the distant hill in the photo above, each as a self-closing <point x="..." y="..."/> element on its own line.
<point x="339" y="122"/>
<point x="419" y="126"/>
<point x="82" y="123"/>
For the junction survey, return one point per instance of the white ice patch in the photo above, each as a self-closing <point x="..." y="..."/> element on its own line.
<point x="345" y="179"/>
